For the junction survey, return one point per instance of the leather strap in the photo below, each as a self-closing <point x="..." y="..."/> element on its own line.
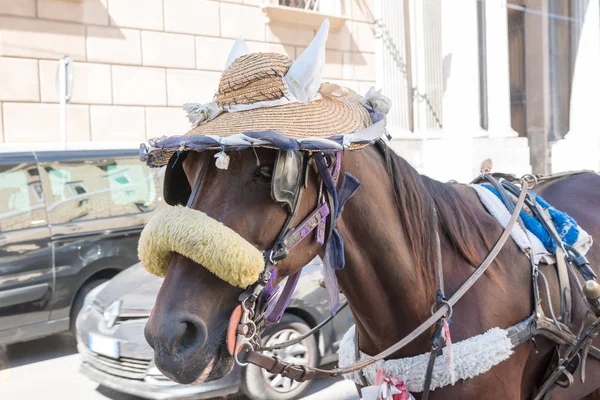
<point x="566" y="304"/>
<point x="196" y="187"/>
<point x="300" y="338"/>
<point x="438" y="260"/>
<point x="274" y="365"/>
<point x="435" y="349"/>
<point x="428" y="374"/>
<point x="361" y="373"/>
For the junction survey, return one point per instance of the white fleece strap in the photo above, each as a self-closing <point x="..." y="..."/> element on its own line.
<point x="472" y="357"/>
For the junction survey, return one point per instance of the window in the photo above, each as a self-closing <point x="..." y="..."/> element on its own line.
<point x="21" y="198"/>
<point x="85" y="190"/>
<point x="305" y="4"/>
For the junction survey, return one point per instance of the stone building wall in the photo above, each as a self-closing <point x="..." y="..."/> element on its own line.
<point x="138" y="61"/>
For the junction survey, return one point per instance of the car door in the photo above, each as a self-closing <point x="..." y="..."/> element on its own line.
<point x="98" y="203"/>
<point x="26" y="273"/>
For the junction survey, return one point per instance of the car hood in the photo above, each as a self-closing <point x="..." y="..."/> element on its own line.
<point x="135" y="287"/>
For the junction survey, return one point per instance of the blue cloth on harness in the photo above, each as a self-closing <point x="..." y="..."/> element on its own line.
<point x="565" y="225"/>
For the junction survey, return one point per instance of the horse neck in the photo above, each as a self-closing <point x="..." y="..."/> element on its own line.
<point x="388" y="292"/>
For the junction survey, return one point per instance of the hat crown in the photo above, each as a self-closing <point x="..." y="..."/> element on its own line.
<point x="269" y="79"/>
<point x="253" y="78"/>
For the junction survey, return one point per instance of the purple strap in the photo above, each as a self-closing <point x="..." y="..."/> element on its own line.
<point x="269" y="288"/>
<point x="303" y="230"/>
<point x="331" y="285"/>
<point x="335" y="174"/>
<point x="284" y="299"/>
<point x="308" y="225"/>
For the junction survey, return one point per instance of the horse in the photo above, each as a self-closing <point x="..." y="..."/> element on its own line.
<point x="389" y="277"/>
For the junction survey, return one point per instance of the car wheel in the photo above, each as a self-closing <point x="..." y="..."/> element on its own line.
<point x="79" y="298"/>
<point x="257" y="383"/>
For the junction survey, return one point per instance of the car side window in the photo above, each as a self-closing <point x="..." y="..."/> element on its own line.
<point x="101" y="188"/>
<point x="21" y="197"/>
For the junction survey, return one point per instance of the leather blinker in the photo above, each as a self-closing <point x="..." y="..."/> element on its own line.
<point x="176" y="189"/>
<point x="288" y="177"/>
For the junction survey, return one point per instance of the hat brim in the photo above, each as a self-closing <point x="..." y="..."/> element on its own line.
<point x="325" y="117"/>
<point x="327" y="124"/>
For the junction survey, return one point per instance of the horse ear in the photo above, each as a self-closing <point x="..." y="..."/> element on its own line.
<point x="304" y="76"/>
<point x="239" y="49"/>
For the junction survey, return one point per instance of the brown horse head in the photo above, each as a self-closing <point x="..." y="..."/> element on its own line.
<point x="264" y="102"/>
<point x="188" y="324"/>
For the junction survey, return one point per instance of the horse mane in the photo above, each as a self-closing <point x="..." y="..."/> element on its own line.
<point x="415" y="197"/>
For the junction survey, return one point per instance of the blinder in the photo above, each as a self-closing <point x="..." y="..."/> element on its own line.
<point x="176" y="188"/>
<point x="288" y="178"/>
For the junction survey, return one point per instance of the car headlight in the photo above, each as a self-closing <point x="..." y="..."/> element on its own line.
<point x="89" y="298"/>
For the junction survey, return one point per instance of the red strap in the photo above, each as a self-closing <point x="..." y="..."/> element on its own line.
<point x="234" y="321"/>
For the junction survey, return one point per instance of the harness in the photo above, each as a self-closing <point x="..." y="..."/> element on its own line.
<point x="259" y="305"/>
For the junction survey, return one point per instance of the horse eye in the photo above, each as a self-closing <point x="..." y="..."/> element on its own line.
<point x="263" y="174"/>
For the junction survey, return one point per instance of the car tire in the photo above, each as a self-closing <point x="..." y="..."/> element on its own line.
<point x="259" y="384"/>
<point x="79" y="298"/>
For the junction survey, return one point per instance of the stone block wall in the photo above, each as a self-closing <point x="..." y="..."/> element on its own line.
<point x="138" y="61"/>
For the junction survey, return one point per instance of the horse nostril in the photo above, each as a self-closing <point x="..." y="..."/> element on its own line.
<point x="194" y="334"/>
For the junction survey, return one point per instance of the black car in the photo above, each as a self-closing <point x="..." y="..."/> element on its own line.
<point x="69" y="221"/>
<point x="110" y="339"/>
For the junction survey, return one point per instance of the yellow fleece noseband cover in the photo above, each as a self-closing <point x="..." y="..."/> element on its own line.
<point x="202" y="239"/>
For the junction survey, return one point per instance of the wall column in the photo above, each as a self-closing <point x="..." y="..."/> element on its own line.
<point x="498" y="77"/>
<point x="581" y="146"/>
<point x="393" y="66"/>
<point x="460" y="65"/>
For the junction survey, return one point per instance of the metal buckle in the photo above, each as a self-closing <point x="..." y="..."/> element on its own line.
<point x="246" y="333"/>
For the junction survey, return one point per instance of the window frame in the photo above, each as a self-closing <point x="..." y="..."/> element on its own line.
<point x="153" y="175"/>
<point x="35" y="202"/>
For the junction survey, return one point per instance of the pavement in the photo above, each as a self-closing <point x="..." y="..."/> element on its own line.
<point x="48" y="369"/>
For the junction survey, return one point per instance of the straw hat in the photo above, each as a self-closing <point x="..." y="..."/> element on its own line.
<point x="268" y="92"/>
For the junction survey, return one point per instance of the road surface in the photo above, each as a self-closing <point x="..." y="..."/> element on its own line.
<point x="47" y="369"/>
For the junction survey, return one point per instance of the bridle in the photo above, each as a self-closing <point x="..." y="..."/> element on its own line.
<point x="259" y="305"/>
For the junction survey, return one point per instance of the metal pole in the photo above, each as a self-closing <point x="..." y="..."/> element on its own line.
<point x="62" y="98"/>
<point x="64" y="85"/>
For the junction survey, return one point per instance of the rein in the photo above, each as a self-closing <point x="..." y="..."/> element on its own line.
<point x="302" y="373"/>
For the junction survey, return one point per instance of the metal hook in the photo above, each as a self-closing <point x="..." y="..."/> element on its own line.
<point x="530" y="180"/>
<point x="238" y="350"/>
